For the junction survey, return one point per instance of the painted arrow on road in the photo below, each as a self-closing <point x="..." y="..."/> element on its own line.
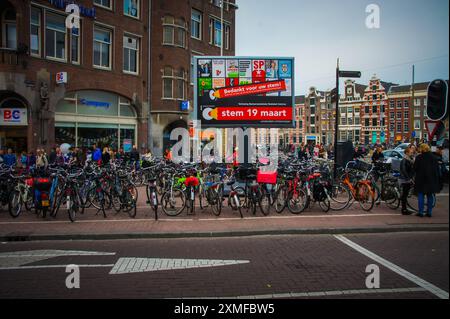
<point x="125" y="265"/>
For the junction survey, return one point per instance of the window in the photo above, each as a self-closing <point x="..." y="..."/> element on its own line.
<point x="399" y="126"/>
<point x="350" y="121"/>
<point x="196" y="24"/>
<point x="374" y="122"/>
<point x="35" y="32"/>
<point x="374" y="87"/>
<point x="357" y="121"/>
<point x="103" y="3"/>
<point x="406" y="115"/>
<point x="392" y="127"/>
<point x="312" y="101"/>
<point x="399" y="103"/>
<point x="313" y="120"/>
<point x="216" y="32"/>
<point x="102" y="48"/>
<point x="416" y="102"/>
<point x="55" y="37"/>
<point x="174" y="84"/>
<point x="406" y="126"/>
<point x="367" y="109"/>
<point x="216" y="2"/>
<point x="406" y="104"/>
<point x="9" y="36"/>
<point x="367" y="122"/>
<point x="343" y="121"/>
<point x="75" y="46"/>
<point x="416" y="112"/>
<point x="392" y="104"/>
<point x="417" y="124"/>
<point x="174" y="32"/>
<point x="374" y="108"/>
<point x="227" y="37"/>
<point x="392" y="115"/>
<point x="130" y="55"/>
<point x="374" y="97"/>
<point x="131" y="8"/>
<point x="399" y="115"/>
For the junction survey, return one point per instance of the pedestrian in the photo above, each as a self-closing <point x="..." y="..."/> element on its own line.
<point x="377" y="155"/>
<point x="134" y="156"/>
<point x="427" y="181"/>
<point x="52" y="157"/>
<point x="23" y="159"/>
<point x="10" y="158"/>
<point x="97" y="154"/>
<point x="105" y="157"/>
<point x="31" y="162"/>
<point x="406" y="178"/>
<point x="41" y="160"/>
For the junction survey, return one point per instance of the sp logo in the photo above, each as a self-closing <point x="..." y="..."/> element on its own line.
<point x="73" y="19"/>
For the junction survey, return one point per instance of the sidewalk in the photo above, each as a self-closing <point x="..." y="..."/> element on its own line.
<point x="204" y="224"/>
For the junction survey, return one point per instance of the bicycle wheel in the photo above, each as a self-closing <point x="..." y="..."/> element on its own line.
<point x="340" y="197"/>
<point x="173" y="202"/>
<point x="297" y="201"/>
<point x="280" y="200"/>
<point x="325" y="205"/>
<point x="264" y="202"/>
<point x="365" y="196"/>
<point x="14" y="204"/>
<point x="216" y="202"/>
<point x="29" y="204"/>
<point x="237" y="200"/>
<point x="202" y="198"/>
<point x="393" y="199"/>
<point x="412" y="200"/>
<point x="72" y="208"/>
<point x="115" y="201"/>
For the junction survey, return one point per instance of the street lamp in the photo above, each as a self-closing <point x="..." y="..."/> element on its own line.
<point x="231" y="6"/>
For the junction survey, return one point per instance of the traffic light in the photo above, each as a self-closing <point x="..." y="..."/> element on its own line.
<point x="437" y="104"/>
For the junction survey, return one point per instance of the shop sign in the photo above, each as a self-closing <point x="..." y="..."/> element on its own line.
<point x="62" y="4"/>
<point x="13" y="117"/>
<point x="185" y="106"/>
<point x="105" y="105"/>
<point x="61" y="77"/>
<point x="127" y="145"/>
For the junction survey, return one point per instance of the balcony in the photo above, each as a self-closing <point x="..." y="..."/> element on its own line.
<point x="9" y="56"/>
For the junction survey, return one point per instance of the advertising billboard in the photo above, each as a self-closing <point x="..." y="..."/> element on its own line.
<point x="244" y="91"/>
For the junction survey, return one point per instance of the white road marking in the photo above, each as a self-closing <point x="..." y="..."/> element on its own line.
<point x="402" y="272"/>
<point x="320" y="293"/>
<point x="129" y="265"/>
<point x="54" y="266"/>
<point x="15" y="259"/>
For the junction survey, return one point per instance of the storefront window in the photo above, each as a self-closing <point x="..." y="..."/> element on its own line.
<point x="65" y="133"/>
<point x="102" y="135"/>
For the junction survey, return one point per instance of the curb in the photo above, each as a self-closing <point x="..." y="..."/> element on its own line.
<point x="17" y="237"/>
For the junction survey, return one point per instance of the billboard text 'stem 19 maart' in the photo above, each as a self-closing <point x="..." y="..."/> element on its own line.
<point x="244" y="91"/>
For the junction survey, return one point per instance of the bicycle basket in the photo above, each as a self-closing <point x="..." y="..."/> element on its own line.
<point x="360" y="166"/>
<point x="267" y="177"/>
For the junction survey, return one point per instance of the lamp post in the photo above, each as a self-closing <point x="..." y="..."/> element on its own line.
<point x="232" y="6"/>
<point x="340" y="74"/>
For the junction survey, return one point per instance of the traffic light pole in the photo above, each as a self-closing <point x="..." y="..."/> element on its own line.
<point x="336" y="122"/>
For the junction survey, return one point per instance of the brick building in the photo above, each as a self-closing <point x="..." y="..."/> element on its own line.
<point x="128" y="66"/>
<point x="105" y="97"/>
<point x="350" y="105"/>
<point x="181" y="30"/>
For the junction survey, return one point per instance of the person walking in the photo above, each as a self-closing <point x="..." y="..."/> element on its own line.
<point x="406" y="178"/>
<point x="106" y="157"/>
<point x="427" y="181"/>
<point x="10" y="159"/>
<point x="41" y="160"/>
<point x="378" y="155"/>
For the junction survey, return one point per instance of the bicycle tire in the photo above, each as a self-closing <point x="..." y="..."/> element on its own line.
<point x="14" y="204"/>
<point x="394" y="202"/>
<point x="280" y="200"/>
<point x="365" y="196"/>
<point x="170" y="199"/>
<point x="264" y="202"/>
<point x="297" y="203"/>
<point x="340" y="197"/>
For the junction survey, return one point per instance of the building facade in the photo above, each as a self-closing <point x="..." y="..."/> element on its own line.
<point x="80" y="85"/>
<point x="181" y="30"/>
<point x="123" y="76"/>
<point x="350" y="104"/>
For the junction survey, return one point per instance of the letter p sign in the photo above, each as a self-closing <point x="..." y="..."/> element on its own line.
<point x="373" y="19"/>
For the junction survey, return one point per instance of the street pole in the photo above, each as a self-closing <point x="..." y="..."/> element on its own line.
<point x="336" y="120"/>
<point x="221" y="27"/>
<point x="411" y="112"/>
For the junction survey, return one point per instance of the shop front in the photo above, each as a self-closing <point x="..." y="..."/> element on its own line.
<point x="85" y="118"/>
<point x="13" y="122"/>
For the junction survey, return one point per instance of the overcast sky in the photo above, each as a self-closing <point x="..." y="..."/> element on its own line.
<point x="316" y="32"/>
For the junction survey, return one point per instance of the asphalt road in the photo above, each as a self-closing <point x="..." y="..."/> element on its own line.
<point x="411" y="265"/>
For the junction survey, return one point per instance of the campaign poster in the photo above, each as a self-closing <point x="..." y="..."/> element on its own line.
<point x="218" y="83"/>
<point x="230" y="82"/>
<point x="271" y="69"/>
<point x="285" y="69"/>
<point x="204" y="85"/>
<point x="244" y="81"/>
<point x="272" y="93"/>
<point x="232" y="68"/>
<point x="245" y="68"/>
<point x="288" y="91"/>
<point x="218" y="68"/>
<point x="204" y="68"/>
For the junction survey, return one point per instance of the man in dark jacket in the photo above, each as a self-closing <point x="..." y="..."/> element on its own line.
<point x="134" y="156"/>
<point x="427" y="180"/>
